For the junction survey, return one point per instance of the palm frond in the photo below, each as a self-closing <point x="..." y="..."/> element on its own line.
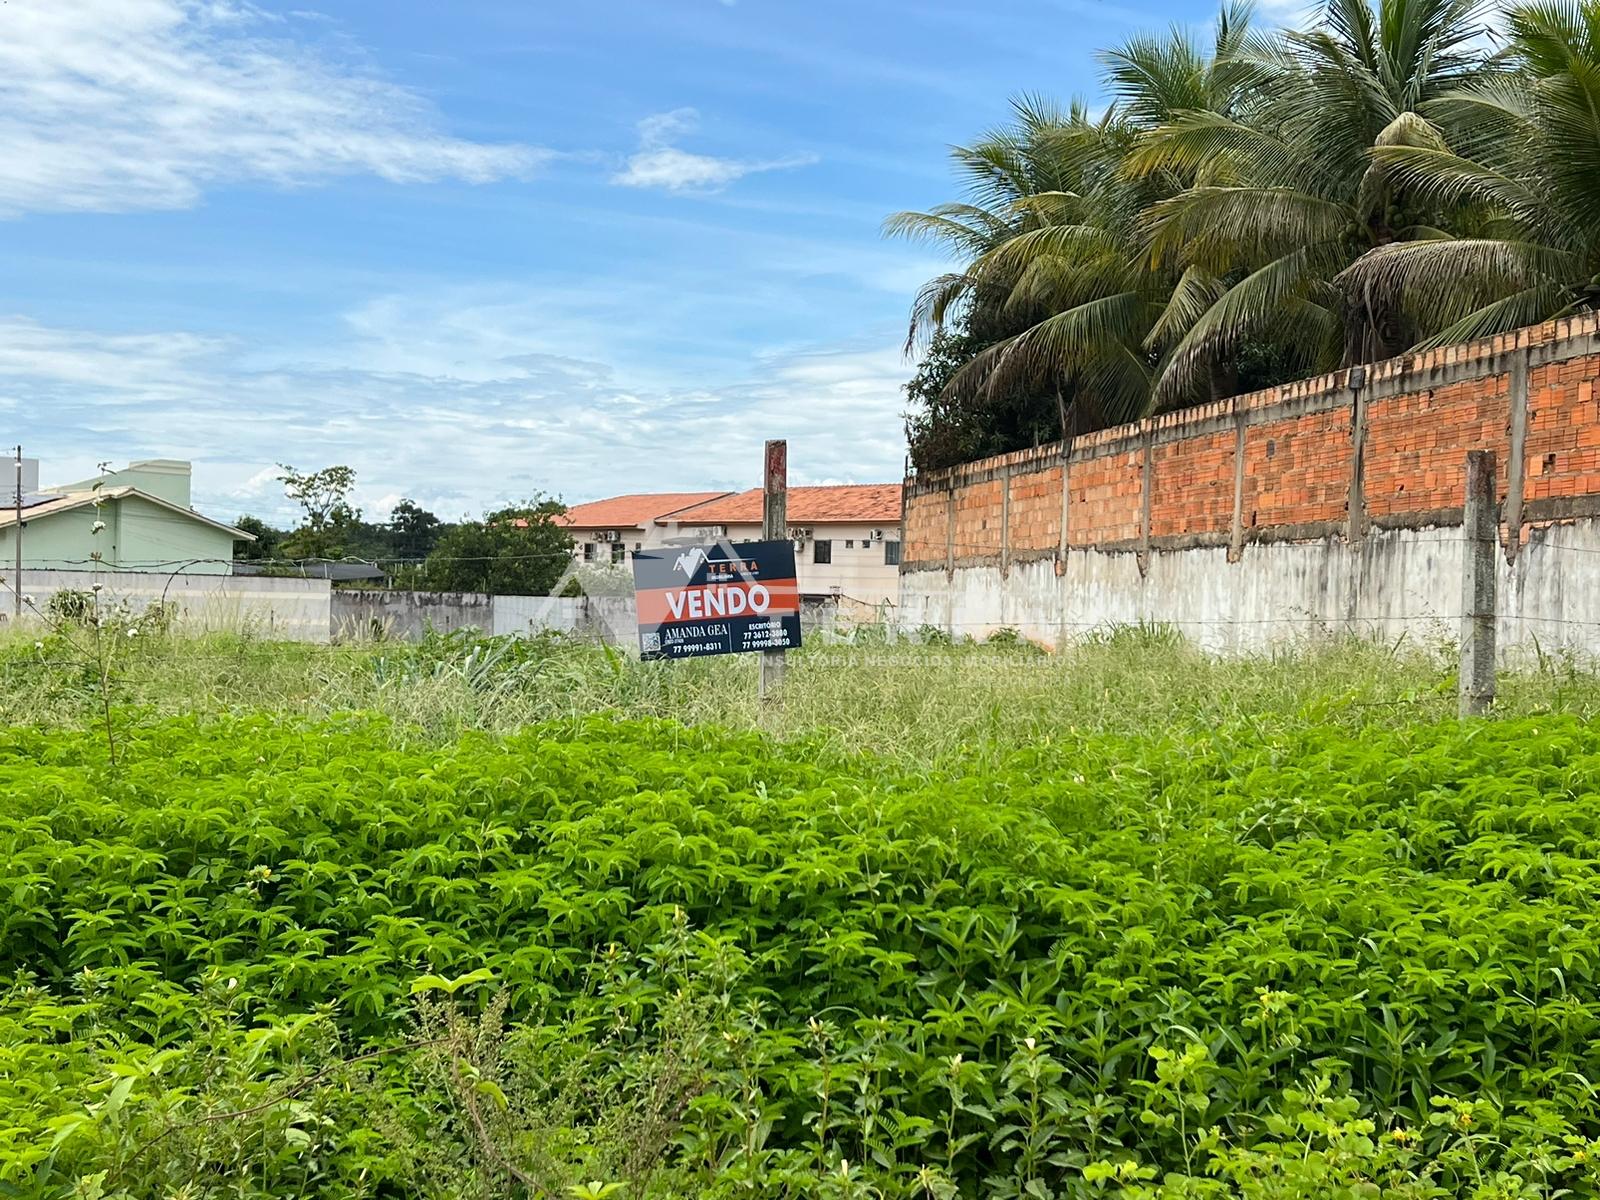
<point x="1260" y="301"/>
<point x="1223" y="229"/>
<point x="1443" y="179"/>
<point x="1195" y="143"/>
<point x="1441" y="283"/>
<point x="1194" y="293"/>
<point x="1530" y="306"/>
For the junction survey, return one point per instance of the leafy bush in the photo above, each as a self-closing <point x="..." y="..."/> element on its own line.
<point x="1305" y="964"/>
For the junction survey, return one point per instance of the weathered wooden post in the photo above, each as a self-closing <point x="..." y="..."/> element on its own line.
<point x="774" y="528"/>
<point x="1478" y="531"/>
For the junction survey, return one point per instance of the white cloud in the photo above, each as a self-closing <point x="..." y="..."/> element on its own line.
<point x="114" y="105"/>
<point x="660" y="164"/>
<point x="509" y="418"/>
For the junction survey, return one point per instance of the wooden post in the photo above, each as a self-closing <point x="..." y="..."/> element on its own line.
<point x="774" y="527"/>
<point x="1480" y="541"/>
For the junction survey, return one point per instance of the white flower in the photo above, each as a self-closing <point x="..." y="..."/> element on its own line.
<point x="132" y="632"/>
<point x="97" y="527"/>
<point x="96" y="587"/>
<point x="38" y="645"/>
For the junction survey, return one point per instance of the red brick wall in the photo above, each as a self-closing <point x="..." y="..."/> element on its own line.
<point x="1036" y="511"/>
<point x="1422" y="413"/>
<point x="1563" y="448"/>
<point x="978" y="526"/>
<point x="1191" y="485"/>
<point x="1416" y="442"/>
<point x="1103" y="506"/>
<point x="1297" y="470"/>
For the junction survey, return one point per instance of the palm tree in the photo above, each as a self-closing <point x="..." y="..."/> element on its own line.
<point x="1526" y="157"/>
<point x="1000" y="171"/>
<point x="1055" y="267"/>
<point x="1286" y="193"/>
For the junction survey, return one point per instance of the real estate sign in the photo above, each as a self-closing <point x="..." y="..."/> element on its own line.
<point x="720" y="599"/>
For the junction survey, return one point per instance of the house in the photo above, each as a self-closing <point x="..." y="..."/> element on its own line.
<point x="606" y="531"/>
<point x="847" y="538"/>
<point x="135" y="519"/>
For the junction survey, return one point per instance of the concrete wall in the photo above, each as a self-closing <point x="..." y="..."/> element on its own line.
<point x="311" y="610"/>
<point x="287" y="609"/>
<point x="1329" y="503"/>
<point x="610" y="618"/>
<point x="407" y="615"/>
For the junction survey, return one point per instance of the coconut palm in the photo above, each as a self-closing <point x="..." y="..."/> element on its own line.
<point x="1287" y="194"/>
<point x="1526" y="155"/>
<point x="999" y="171"/>
<point x="1057" y="275"/>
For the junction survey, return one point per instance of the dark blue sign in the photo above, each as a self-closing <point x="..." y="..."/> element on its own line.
<point x="729" y="598"/>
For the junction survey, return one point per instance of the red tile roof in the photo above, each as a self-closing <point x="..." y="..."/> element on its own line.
<point x="864" y="502"/>
<point x="622" y="512"/>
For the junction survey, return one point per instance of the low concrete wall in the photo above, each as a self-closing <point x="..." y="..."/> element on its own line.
<point x="288" y="609"/>
<point x="609" y="618"/>
<point x="1390" y="584"/>
<point x="311" y="610"/>
<point x="407" y="615"/>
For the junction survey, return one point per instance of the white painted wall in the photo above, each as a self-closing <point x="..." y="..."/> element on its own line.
<point x="1392" y="584"/>
<point x="858" y="570"/>
<point x="293" y="610"/>
<point x="587" y="548"/>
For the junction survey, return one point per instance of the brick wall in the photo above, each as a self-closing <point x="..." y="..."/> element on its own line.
<point x="1382" y="445"/>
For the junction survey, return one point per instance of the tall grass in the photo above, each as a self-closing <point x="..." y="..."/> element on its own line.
<point x="925" y="703"/>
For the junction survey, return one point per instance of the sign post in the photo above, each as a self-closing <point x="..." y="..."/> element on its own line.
<point x="775" y="525"/>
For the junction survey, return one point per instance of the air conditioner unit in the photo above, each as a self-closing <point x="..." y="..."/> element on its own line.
<point x="877" y="535"/>
<point x="799" y="533"/>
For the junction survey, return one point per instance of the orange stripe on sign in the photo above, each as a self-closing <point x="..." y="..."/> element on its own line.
<point x="718" y="601"/>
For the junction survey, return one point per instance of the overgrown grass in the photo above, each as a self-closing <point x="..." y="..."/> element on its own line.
<point x="687" y="964"/>
<point x="468" y="919"/>
<point x="915" y="704"/>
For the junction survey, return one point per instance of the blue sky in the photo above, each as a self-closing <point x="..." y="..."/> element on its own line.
<point x="488" y="247"/>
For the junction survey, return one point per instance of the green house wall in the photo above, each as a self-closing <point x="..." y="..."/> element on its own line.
<point x="139" y="536"/>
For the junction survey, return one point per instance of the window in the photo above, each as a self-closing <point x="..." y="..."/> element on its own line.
<point x="849" y="543"/>
<point x="822" y="551"/>
<point x="891" y="554"/>
<point x="588" y="551"/>
<point x="637" y="546"/>
<point x="619" y="551"/>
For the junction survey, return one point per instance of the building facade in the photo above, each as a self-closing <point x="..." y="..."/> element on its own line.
<point x="137" y="519"/>
<point x="607" y="531"/>
<point x="847" y="538"/>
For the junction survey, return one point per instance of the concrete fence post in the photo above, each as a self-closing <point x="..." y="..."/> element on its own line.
<point x="1479" y="532"/>
<point x="1516" y="468"/>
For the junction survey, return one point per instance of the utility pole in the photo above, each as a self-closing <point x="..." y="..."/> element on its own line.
<point x="16" y="535"/>
<point x="774" y="528"/>
<point x="1479" y="529"/>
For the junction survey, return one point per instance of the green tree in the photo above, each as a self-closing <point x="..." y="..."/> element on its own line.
<point x="1525" y="151"/>
<point x="266" y="543"/>
<point x="515" y="551"/>
<point x="330" y="519"/>
<point x="413" y="530"/>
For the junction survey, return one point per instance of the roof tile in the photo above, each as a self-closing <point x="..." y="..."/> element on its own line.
<point x="867" y="502"/>
<point x="639" y="508"/>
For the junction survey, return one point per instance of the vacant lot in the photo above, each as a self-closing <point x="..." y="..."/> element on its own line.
<point x="954" y="921"/>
